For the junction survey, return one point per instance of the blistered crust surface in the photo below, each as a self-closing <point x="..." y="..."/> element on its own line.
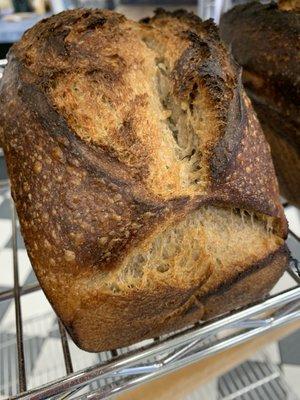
<point x="98" y="170"/>
<point x="65" y="58"/>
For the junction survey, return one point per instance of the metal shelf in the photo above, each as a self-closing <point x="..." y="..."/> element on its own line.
<point x="125" y="368"/>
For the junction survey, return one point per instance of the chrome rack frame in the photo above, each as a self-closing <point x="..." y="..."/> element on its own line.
<point x="131" y="367"/>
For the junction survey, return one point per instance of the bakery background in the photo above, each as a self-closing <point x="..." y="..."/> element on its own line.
<point x="271" y="373"/>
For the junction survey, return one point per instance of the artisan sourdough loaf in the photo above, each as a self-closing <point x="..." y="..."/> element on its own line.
<point x="265" y="41"/>
<point x="143" y="183"/>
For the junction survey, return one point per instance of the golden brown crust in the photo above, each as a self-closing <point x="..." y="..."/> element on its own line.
<point x="264" y="39"/>
<point x="87" y="201"/>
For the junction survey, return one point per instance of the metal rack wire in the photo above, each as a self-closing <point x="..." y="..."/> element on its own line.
<point x="128" y="367"/>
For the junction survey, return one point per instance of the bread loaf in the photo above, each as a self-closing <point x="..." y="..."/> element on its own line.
<point x="265" y="41"/>
<point x="143" y="183"/>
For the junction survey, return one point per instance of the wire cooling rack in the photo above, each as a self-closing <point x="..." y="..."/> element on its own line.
<point x="125" y="368"/>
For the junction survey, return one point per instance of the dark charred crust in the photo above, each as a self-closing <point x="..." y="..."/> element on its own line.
<point x="58" y="42"/>
<point x="284" y="139"/>
<point x="145" y="20"/>
<point x="287" y="129"/>
<point x="263" y="91"/>
<point x="265" y="40"/>
<point x="96" y="22"/>
<point x="104" y="74"/>
<point x="226" y="150"/>
<point x="201" y="65"/>
<point x="201" y="62"/>
<point x="53" y="32"/>
<point x="50" y="119"/>
<point x="211" y="28"/>
<point x="179" y="14"/>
